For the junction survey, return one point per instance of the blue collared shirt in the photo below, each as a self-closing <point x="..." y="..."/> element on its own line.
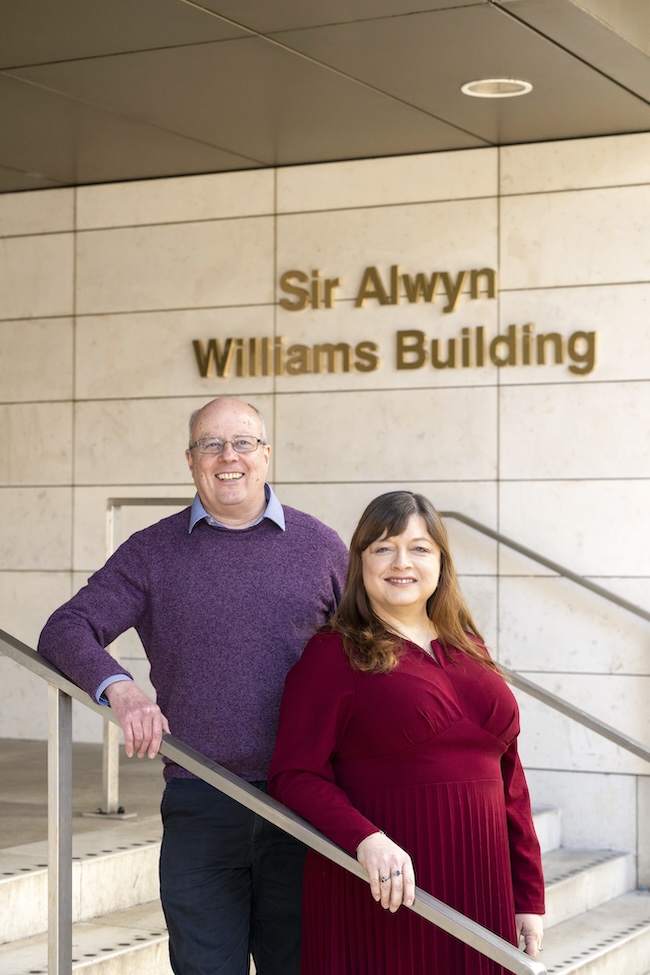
<point x="273" y="512"/>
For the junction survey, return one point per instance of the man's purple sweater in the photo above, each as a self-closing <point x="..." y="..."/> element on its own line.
<point x="222" y="615"/>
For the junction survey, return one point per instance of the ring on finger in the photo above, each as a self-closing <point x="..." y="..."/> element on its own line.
<point x="384" y="880"/>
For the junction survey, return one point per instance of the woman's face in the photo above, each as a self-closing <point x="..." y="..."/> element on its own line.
<point x="401" y="572"/>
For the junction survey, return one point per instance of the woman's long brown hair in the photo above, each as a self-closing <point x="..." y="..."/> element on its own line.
<point x="369" y="645"/>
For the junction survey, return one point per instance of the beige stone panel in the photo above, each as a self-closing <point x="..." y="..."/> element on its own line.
<point x="480" y="594"/>
<point x="186" y="265"/>
<point x="41" y="212"/>
<point x="340" y="505"/>
<point x="575" y="238"/>
<point x="555" y="742"/>
<point x="213" y="196"/>
<point x="643" y="814"/>
<point x="152" y="353"/>
<point x="23" y="702"/>
<point x="388" y="181"/>
<point x="36" y="276"/>
<point x="598" y="811"/>
<point x="27" y="599"/>
<point x="35" y="525"/>
<point x="575" y="431"/>
<point x="552" y="624"/>
<point x="413" y="345"/>
<point x="446" y="237"/>
<point x="36" y="360"/>
<point x="95" y="536"/>
<point x="595" y="528"/>
<point x="603" y="332"/>
<point x="374" y="436"/>
<point x="36" y="443"/>
<point x="131" y="442"/>
<point x="575" y="164"/>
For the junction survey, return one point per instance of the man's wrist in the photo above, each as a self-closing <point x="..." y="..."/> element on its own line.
<point x="100" y="693"/>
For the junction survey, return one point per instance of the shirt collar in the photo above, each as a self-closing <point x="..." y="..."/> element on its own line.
<point x="273" y="512"/>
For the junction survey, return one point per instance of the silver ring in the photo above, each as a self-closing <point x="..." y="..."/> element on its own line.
<point x="384" y="880"/>
<point x="398" y="873"/>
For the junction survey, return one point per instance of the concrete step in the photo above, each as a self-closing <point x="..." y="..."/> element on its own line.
<point x="113" y="868"/>
<point x="613" y="939"/>
<point x="131" y="942"/>
<point x="579" y="880"/>
<point x="594" y="925"/>
<point x="548" y="826"/>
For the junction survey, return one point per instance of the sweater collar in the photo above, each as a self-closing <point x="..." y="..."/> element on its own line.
<point x="273" y="512"/>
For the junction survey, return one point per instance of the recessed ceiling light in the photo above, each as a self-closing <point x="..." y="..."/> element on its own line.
<point x="496" y="88"/>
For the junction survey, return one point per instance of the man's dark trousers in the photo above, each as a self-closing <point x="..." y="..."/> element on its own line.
<point x="230" y="882"/>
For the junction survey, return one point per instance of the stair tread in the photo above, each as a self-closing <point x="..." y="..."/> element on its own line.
<point x="562" y="864"/>
<point x="596" y="931"/>
<point x="127" y="835"/>
<point x="112" y="934"/>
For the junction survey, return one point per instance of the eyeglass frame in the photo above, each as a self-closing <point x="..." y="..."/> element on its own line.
<point x="215" y="453"/>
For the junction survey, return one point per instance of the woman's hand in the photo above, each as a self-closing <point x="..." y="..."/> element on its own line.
<point x="530" y="928"/>
<point x="389" y="869"/>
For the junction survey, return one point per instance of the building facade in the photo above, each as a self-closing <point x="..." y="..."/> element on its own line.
<point x="472" y="325"/>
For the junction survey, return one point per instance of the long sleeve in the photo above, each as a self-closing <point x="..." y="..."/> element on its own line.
<point x="316" y="708"/>
<point x="76" y="635"/>
<point x="527" y="877"/>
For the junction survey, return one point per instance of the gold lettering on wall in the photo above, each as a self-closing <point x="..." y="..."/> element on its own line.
<point x="414" y="349"/>
<point x="273" y="357"/>
<point x="471" y="347"/>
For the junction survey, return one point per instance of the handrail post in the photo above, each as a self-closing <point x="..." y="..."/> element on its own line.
<point x="59" y="832"/>
<point x="111" y="739"/>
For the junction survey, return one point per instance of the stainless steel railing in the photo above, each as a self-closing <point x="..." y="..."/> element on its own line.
<point x="61" y="692"/>
<point x="536" y="690"/>
<point x="548" y="563"/>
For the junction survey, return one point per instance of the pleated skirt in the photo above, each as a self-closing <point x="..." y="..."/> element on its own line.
<point x="456" y="834"/>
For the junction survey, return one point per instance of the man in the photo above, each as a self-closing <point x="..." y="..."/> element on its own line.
<point x="224" y="596"/>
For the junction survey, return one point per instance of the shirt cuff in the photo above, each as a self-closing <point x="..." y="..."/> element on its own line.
<point x="100" y="697"/>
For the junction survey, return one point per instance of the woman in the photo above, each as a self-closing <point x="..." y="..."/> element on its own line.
<point x="398" y="740"/>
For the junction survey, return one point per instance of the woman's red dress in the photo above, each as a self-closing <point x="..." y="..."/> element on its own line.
<point x="428" y="754"/>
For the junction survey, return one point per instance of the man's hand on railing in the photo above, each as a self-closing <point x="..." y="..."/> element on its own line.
<point x="142" y="721"/>
<point x="389" y="869"/>
<point x="531" y="929"/>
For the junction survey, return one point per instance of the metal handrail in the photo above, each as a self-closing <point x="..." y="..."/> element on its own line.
<point x="60" y="901"/>
<point x="581" y="717"/>
<point x="548" y="563"/>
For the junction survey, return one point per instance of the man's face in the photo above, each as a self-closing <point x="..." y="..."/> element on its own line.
<point x="230" y="485"/>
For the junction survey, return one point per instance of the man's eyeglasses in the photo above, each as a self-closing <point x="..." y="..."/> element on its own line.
<point x="213" y="445"/>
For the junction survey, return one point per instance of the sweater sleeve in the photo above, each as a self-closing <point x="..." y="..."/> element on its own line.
<point x="316" y="708"/>
<point x="75" y="636"/>
<point x="525" y="856"/>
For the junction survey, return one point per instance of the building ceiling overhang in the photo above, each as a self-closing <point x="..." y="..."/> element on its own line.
<point x="95" y="91"/>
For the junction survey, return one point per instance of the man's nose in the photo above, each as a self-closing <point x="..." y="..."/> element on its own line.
<point x="228" y="451"/>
